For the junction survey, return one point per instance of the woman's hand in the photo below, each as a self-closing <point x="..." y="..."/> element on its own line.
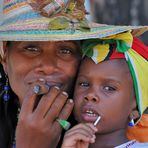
<point x="37" y="126"/>
<point x="80" y="136"/>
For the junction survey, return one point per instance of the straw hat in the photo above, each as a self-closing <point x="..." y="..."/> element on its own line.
<point x="54" y="20"/>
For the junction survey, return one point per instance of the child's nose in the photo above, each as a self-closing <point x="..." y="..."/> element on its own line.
<point x="91" y="96"/>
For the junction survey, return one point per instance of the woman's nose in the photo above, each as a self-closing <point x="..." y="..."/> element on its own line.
<point x="47" y="65"/>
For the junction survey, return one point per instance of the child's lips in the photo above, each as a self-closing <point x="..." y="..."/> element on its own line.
<point x="89" y="114"/>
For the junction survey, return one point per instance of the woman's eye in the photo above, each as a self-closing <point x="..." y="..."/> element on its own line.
<point x="32" y="49"/>
<point x="109" y="88"/>
<point x="65" y="51"/>
<point x="83" y="84"/>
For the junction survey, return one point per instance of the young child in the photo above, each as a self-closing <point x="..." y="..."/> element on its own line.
<point x="109" y="90"/>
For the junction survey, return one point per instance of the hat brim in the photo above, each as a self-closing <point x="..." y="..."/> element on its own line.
<point x="36" y="30"/>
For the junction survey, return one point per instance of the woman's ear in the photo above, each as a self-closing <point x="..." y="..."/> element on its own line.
<point x="5" y="57"/>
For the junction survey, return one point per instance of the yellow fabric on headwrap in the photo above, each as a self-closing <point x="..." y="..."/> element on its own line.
<point x="126" y="37"/>
<point x="100" y="51"/>
<point x="140" y="69"/>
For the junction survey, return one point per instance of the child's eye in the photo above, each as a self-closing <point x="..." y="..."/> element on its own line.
<point x="83" y="84"/>
<point x="109" y="88"/>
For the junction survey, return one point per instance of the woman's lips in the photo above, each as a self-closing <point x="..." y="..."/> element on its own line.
<point x="45" y="82"/>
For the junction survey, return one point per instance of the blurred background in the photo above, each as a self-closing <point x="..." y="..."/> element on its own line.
<point x="119" y="12"/>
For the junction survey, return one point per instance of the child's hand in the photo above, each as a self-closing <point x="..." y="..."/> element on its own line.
<point x="79" y="136"/>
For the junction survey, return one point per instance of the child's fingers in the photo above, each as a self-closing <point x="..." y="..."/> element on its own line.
<point x="81" y="131"/>
<point x="90" y="125"/>
<point x="71" y="139"/>
<point x="87" y="127"/>
<point x="80" y="136"/>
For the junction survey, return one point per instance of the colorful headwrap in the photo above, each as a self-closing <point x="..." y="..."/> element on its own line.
<point x="136" y="54"/>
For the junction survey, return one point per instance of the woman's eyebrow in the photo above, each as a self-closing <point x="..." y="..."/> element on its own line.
<point x="76" y="43"/>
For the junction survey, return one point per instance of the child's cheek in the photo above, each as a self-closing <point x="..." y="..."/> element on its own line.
<point x="77" y="107"/>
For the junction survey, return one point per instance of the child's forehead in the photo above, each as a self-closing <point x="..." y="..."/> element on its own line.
<point x="88" y="63"/>
<point x="111" y="67"/>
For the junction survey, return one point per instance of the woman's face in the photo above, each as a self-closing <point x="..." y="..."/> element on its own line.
<point x="106" y="90"/>
<point x="27" y="62"/>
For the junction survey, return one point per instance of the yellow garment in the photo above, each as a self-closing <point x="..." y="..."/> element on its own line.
<point x="140" y="130"/>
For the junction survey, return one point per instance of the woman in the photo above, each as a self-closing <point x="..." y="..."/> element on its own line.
<point x="40" y="54"/>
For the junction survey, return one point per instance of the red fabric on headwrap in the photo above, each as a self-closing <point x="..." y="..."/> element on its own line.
<point x="137" y="45"/>
<point x="116" y="55"/>
<point x="141" y="48"/>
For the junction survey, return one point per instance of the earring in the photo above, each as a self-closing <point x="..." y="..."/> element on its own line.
<point x="6" y="95"/>
<point x="131" y="123"/>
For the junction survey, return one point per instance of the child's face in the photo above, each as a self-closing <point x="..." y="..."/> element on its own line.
<point x="106" y="90"/>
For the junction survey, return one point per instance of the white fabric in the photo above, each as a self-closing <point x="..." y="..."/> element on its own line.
<point x="133" y="144"/>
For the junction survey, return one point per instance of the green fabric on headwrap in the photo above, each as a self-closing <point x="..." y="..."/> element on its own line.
<point x="88" y="45"/>
<point x="121" y="46"/>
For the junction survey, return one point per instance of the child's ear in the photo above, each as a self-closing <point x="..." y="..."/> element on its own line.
<point x="134" y="114"/>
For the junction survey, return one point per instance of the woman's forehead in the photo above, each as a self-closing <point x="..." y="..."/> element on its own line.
<point x="43" y="42"/>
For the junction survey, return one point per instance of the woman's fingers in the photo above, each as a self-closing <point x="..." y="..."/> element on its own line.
<point x="56" y="106"/>
<point x="66" y="110"/>
<point x="28" y="102"/>
<point x="46" y="102"/>
<point x="65" y="113"/>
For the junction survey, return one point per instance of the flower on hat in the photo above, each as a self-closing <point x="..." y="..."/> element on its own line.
<point x="66" y="14"/>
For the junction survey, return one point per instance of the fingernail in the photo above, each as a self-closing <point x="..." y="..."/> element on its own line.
<point x="36" y="89"/>
<point x="42" y="80"/>
<point x="56" y="87"/>
<point x="92" y="140"/>
<point x="70" y="101"/>
<point x="95" y="129"/>
<point x="65" y="93"/>
<point x="94" y="137"/>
